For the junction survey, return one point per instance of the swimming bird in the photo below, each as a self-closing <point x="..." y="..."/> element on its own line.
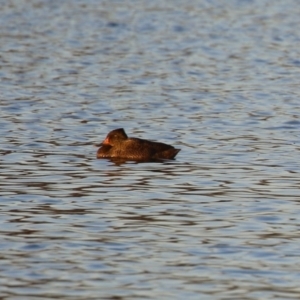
<point x="118" y="145"/>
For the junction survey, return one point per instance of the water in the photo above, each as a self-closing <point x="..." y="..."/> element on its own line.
<point x="218" y="80"/>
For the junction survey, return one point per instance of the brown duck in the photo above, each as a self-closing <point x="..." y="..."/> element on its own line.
<point x="118" y="145"/>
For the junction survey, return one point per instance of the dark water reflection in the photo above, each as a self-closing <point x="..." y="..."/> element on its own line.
<point x="218" y="80"/>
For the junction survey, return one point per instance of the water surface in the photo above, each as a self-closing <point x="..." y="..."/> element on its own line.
<point x="218" y="80"/>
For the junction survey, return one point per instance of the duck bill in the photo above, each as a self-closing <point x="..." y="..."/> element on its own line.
<point x="105" y="142"/>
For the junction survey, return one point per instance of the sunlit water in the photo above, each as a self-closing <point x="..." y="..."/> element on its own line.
<point x="218" y="79"/>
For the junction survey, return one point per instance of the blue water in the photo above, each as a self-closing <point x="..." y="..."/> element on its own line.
<point x="220" y="80"/>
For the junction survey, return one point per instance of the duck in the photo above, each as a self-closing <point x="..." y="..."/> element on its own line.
<point x="118" y="145"/>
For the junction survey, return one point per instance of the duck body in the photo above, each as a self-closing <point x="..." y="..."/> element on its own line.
<point x="118" y="145"/>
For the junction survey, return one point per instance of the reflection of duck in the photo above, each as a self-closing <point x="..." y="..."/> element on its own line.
<point x="118" y="145"/>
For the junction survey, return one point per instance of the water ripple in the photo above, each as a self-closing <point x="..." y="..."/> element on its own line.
<point x="218" y="81"/>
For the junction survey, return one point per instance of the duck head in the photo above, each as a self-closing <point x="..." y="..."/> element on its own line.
<point x="115" y="137"/>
